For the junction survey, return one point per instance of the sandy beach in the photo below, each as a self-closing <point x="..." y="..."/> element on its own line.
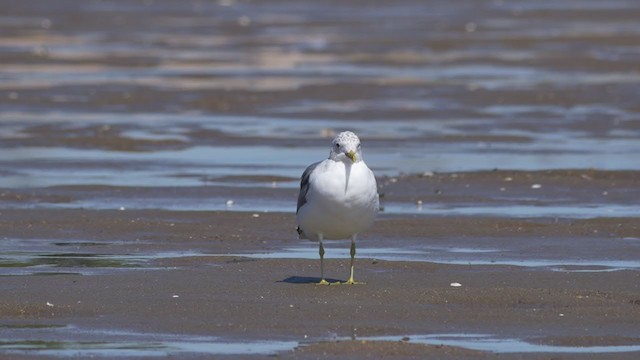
<point x="151" y="155"/>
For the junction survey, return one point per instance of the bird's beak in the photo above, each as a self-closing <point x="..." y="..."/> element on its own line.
<point x="351" y="155"/>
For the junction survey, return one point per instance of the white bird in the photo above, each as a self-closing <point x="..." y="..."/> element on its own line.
<point x="338" y="197"/>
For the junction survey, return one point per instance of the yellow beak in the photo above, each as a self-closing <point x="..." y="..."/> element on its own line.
<point x="351" y="155"/>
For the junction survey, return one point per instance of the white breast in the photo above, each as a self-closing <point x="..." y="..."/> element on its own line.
<point x="342" y="200"/>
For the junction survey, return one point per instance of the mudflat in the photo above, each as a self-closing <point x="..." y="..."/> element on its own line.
<point x="150" y="154"/>
<point x="78" y="275"/>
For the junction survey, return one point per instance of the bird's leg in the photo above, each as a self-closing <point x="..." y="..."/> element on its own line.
<point x="353" y="255"/>
<point x="321" y="251"/>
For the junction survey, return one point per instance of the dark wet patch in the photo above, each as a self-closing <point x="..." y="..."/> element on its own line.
<point x="52" y="273"/>
<point x="31" y="326"/>
<point x="108" y="137"/>
<point x="21" y="196"/>
<point x="81" y="244"/>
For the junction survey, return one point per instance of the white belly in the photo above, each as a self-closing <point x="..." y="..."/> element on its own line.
<point x="336" y="207"/>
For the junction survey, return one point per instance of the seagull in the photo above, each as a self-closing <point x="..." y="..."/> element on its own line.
<point x="338" y="197"/>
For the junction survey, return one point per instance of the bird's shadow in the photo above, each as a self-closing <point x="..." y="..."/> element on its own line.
<point x="306" y="280"/>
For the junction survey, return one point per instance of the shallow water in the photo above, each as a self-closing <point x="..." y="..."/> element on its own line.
<point x="68" y="340"/>
<point x="64" y="341"/>
<point x="27" y="257"/>
<point x="484" y="342"/>
<point x="509" y="255"/>
<point x="258" y="205"/>
<point x="577" y="211"/>
<point x="78" y="257"/>
<point x="189" y="95"/>
<point x="95" y="90"/>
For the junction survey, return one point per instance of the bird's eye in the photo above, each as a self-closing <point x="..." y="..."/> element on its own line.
<point x="337" y="146"/>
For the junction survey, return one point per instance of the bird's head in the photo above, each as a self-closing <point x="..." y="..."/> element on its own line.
<point x="346" y="147"/>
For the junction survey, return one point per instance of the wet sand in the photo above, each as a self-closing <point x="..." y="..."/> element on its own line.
<point x="151" y="152"/>
<point x="227" y="274"/>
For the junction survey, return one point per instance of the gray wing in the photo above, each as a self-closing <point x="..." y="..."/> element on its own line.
<point x="304" y="185"/>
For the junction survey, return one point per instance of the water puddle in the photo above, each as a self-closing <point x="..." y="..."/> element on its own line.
<point x="67" y="260"/>
<point x="494" y="344"/>
<point x="213" y="203"/>
<point x="141" y="349"/>
<point x="574" y="211"/>
<point x="17" y="262"/>
<point x="70" y="341"/>
<point x="55" y="257"/>
<point x="311" y="252"/>
<point x="271" y="202"/>
<point x="100" y="167"/>
<point x="56" y="340"/>
<point x="450" y="256"/>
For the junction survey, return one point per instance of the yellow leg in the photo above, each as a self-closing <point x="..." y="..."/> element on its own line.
<point x="321" y="251"/>
<point x="353" y="255"/>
